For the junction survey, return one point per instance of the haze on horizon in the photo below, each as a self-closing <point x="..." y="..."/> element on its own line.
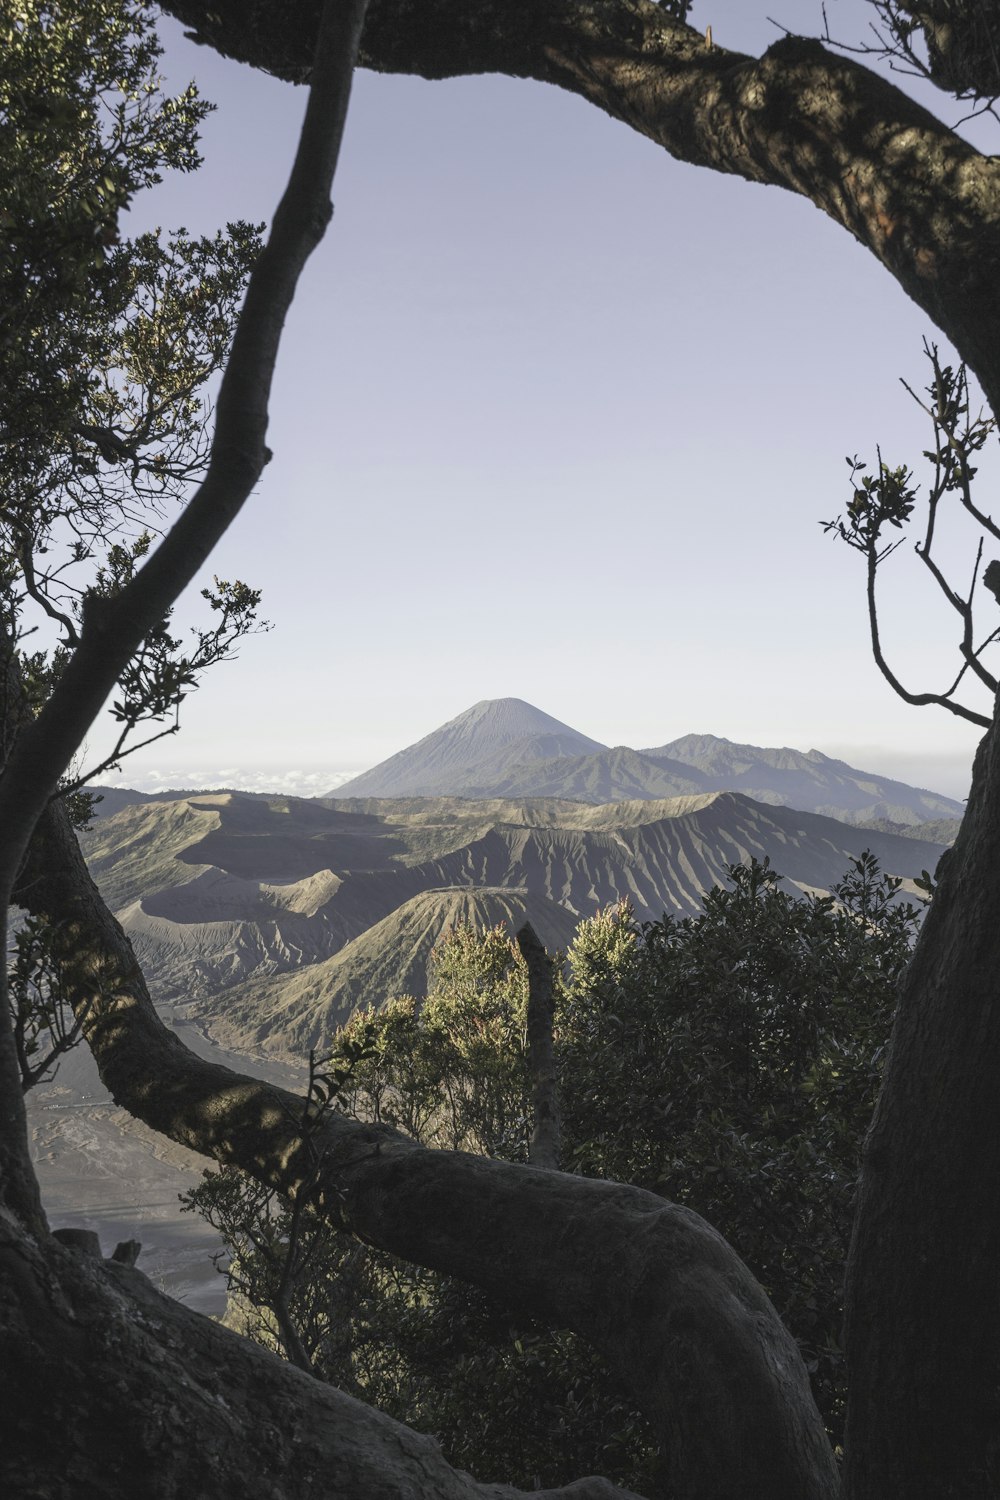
<point x="319" y="780"/>
<point x="535" y="379"/>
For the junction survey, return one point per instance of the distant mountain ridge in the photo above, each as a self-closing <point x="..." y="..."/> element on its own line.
<point x="806" y="779"/>
<point x="507" y="748"/>
<point x="272" y="918"/>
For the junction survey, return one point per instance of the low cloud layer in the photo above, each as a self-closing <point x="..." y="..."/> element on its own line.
<point x="301" y="781"/>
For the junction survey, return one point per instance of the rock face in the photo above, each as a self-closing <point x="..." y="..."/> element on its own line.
<point x="275" y="918"/>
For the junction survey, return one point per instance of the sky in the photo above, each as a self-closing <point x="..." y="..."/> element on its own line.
<point x="557" y="418"/>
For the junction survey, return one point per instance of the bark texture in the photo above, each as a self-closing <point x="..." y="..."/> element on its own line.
<point x="112" y="1390"/>
<point x="926" y="204"/>
<point x="18" y="1184"/>
<point x="923" y="1289"/>
<point x="963" y="44"/>
<point x="655" y="1289"/>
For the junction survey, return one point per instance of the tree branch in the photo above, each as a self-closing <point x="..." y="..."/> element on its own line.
<point x="670" y="1306"/>
<point x="924" y="202"/>
<point x="918" y="700"/>
<point x="142" y="1396"/>
<point x="113" y="629"/>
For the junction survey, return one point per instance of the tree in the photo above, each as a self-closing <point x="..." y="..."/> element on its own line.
<point x="670" y="1305"/>
<point x="729" y="1063"/>
<point x="507" y="1397"/>
<point x="42" y="866"/>
<point x="109" y="345"/>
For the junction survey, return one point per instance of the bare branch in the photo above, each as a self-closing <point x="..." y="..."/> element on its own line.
<point x="111" y="761"/>
<point x="919" y="700"/>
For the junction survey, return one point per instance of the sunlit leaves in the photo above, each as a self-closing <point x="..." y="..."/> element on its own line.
<point x="730" y="1061"/>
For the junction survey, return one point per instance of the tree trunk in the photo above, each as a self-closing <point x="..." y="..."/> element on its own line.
<point x="112" y="1391"/>
<point x="543" y="1148"/>
<point x="924" y="202"/>
<point x="666" y="1301"/>
<point x="924" y="1275"/>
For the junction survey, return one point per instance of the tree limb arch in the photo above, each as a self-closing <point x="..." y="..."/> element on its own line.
<point x="670" y="1306"/>
<point x="921" y="199"/>
<point x="153" y="1399"/>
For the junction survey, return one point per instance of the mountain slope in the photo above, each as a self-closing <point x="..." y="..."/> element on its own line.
<point x="436" y="764"/>
<point x="808" y="780"/>
<point x="506" y="748"/>
<point x="367" y="884"/>
<point x="606" y="776"/>
<point x="304" y="1009"/>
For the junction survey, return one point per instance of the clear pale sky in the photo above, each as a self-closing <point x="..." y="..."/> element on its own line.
<point x="557" y="418"/>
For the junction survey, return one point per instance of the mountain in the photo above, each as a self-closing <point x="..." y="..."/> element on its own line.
<point x="271" y="918"/>
<point x="303" y="1009"/>
<point x="111" y="799"/>
<point x="808" y="780"/>
<point x="935" y="830"/>
<point x="506" y="748"/>
<point x="616" y="775"/>
<point x="495" y="731"/>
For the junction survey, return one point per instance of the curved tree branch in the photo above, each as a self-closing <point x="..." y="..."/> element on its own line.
<point x="917" y="700"/>
<point x="655" y="1289"/>
<point x="114" y="628"/>
<point x="923" y="201"/>
<point x="153" y="1399"/>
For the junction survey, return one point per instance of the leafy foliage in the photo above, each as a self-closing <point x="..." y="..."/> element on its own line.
<point x="731" y="1061"/>
<point x="284" y="1265"/>
<point x="452" y="1071"/>
<point x="728" y="1061"/>
<point x="108" y="344"/>
<point x="888" y="498"/>
<point x="83" y="128"/>
<point x="38" y="991"/>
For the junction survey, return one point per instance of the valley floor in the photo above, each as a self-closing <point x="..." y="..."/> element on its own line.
<point x="100" y="1169"/>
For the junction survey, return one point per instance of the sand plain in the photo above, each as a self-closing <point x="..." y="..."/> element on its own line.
<point x="101" y="1169"/>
